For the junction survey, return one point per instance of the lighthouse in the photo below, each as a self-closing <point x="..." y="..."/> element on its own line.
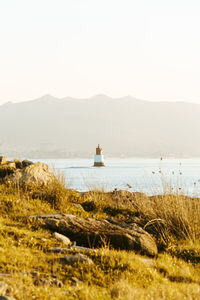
<point x="98" y="158"/>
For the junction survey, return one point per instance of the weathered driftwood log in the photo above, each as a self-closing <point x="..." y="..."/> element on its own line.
<point x="93" y="233"/>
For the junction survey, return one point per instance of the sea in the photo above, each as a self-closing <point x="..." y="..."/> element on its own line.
<point x="147" y="175"/>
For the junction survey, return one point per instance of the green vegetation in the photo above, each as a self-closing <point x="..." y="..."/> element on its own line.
<point x="34" y="272"/>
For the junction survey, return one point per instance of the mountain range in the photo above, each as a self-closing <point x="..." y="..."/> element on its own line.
<point x="126" y="126"/>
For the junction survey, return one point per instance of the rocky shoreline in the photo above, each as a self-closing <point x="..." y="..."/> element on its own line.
<point x="61" y="244"/>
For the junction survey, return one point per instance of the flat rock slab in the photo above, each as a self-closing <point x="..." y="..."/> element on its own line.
<point x="77" y="258"/>
<point x="55" y="216"/>
<point x="73" y="249"/>
<point x="91" y="233"/>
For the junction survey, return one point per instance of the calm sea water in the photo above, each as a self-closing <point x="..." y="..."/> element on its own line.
<point x="151" y="176"/>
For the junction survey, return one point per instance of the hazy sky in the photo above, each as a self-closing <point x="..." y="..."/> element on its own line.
<point x="149" y="49"/>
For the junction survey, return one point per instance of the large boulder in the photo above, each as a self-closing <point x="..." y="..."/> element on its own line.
<point x="92" y="232"/>
<point x="38" y="173"/>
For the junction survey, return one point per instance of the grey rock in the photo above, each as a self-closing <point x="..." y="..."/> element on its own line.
<point x="26" y="163"/>
<point x="71" y="259"/>
<point x="38" y="173"/>
<point x="55" y="216"/>
<point x="62" y="239"/>
<point x="148" y="262"/>
<point x="73" y="249"/>
<point x="18" y="164"/>
<point x="88" y="231"/>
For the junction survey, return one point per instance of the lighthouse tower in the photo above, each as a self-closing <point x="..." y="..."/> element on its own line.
<point x="98" y="158"/>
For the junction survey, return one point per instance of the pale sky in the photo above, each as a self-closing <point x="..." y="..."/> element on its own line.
<point x="149" y="49"/>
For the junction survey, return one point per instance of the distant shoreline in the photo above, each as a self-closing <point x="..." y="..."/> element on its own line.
<point x="91" y="156"/>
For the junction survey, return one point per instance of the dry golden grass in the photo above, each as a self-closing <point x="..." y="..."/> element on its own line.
<point x="168" y="217"/>
<point x="24" y="246"/>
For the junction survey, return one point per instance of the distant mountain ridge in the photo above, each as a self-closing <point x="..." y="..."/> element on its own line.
<point x="124" y="126"/>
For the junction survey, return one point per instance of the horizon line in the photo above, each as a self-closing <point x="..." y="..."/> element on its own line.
<point x="96" y="96"/>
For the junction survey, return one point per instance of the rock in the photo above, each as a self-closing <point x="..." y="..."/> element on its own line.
<point x="89" y="205"/>
<point x="39" y="173"/>
<point x="62" y="239"/>
<point x="26" y="163"/>
<point x="148" y="262"/>
<point x="3" y="160"/>
<point x="5" y="288"/>
<point x="71" y="259"/>
<point x="73" y="249"/>
<point x="18" y="164"/>
<point x="55" y="216"/>
<point x="92" y="232"/>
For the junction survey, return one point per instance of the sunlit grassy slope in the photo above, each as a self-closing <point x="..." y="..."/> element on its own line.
<point x="34" y="272"/>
